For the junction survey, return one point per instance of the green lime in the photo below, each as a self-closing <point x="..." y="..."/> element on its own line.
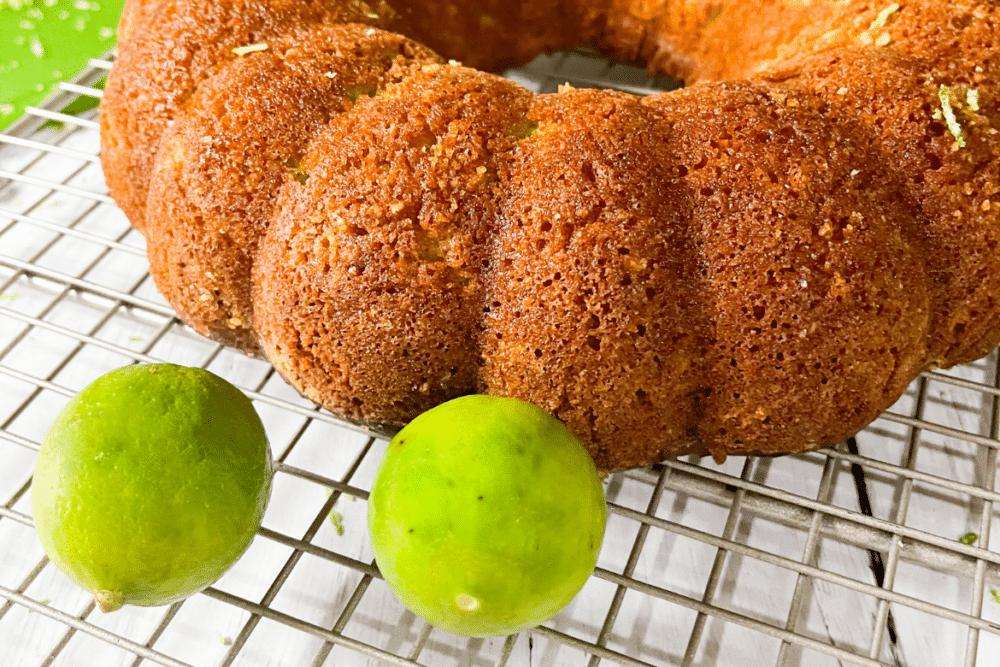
<point x="486" y="516"/>
<point x="150" y="483"/>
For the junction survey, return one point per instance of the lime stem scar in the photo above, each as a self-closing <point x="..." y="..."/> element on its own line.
<point x="109" y="600"/>
<point x="466" y="602"/>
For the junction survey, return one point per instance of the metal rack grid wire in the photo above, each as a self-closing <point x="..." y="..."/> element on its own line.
<point x="875" y="552"/>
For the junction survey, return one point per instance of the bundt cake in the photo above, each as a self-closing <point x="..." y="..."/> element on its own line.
<point x="759" y="262"/>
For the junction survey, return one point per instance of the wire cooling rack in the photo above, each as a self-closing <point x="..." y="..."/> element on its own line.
<point x="876" y="552"/>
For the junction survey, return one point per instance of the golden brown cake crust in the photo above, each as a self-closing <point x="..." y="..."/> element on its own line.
<point x="898" y="104"/>
<point x="757" y="263"/>
<point x="242" y="134"/>
<point x="817" y="295"/>
<point x="370" y="289"/>
<point x="592" y="306"/>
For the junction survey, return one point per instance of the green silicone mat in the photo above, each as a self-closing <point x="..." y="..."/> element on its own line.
<point x="43" y="42"/>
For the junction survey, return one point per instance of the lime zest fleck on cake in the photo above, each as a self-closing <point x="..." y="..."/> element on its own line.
<point x="712" y="16"/>
<point x="972" y="99"/>
<point x="354" y="93"/>
<point x="944" y="95"/>
<point x="250" y="48"/>
<point x="882" y="17"/>
<point x="523" y="129"/>
<point x="300" y="174"/>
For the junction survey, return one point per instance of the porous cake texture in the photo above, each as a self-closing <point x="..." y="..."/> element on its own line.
<point x="757" y="263"/>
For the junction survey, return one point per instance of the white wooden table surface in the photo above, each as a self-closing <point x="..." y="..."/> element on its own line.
<point x="827" y="558"/>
